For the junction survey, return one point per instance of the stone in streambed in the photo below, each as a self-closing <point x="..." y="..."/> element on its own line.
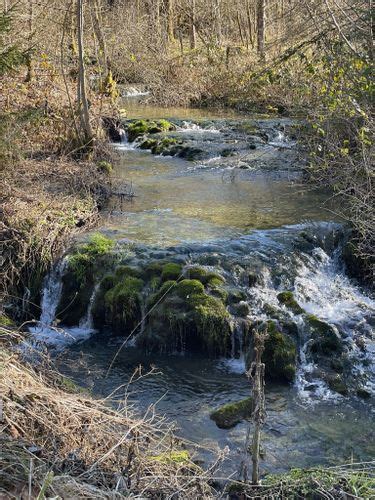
<point x="230" y="414"/>
<point x="287" y="298"/>
<point x="279" y="355"/>
<point x="185" y="317"/>
<point x="325" y="337"/>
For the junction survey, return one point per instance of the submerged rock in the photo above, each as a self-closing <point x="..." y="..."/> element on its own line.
<point x="231" y="414"/>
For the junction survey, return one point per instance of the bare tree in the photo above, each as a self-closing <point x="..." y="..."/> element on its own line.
<point x="193" y="32"/>
<point x="261" y="22"/>
<point x="83" y="106"/>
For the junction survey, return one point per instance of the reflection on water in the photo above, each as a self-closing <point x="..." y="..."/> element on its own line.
<point x="187" y="389"/>
<point x="175" y="203"/>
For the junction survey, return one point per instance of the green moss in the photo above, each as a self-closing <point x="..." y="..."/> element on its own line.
<point x="187" y="288"/>
<point x="5" y="321"/>
<point x="235" y="296"/>
<point x="324" y="335"/>
<point x="219" y="293"/>
<point x="230" y="414"/>
<point x="168" y="457"/>
<point x="166" y="146"/>
<point x="138" y="128"/>
<point x="205" y="277"/>
<point x="287" y="298"/>
<point x="197" y="273"/>
<point x="68" y="385"/>
<point x="185" y="317"/>
<point x="165" y="125"/>
<point x="166" y="287"/>
<point x="123" y="271"/>
<point x="153" y="269"/>
<point x="241" y="309"/>
<point x="123" y="304"/>
<point x="105" y="166"/>
<point x="171" y="271"/>
<point x="148" y="144"/>
<point x="83" y="259"/>
<point x="336" y="383"/>
<point x="211" y="321"/>
<point x="279" y="355"/>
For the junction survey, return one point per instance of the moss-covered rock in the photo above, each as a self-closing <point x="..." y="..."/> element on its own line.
<point x="166" y="146"/>
<point x="279" y="355"/>
<point x="171" y="271"/>
<point x="206" y="277"/>
<point x="85" y="265"/>
<point x="230" y="414"/>
<point x="137" y="128"/>
<point x="241" y="309"/>
<point x="192" y="154"/>
<point x="123" y="304"/>
<point x="235" y="296"/>
<point x="184" y="316"/>
<point x="287" y="299"/>
<point x="325" y="337"/>
<point x="337" y="384"/>
<point x="148" y="144"/>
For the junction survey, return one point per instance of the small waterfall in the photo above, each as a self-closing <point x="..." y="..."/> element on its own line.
<point x="86" y="323"/>
<point x="47" y="330"/>
<point x="51" y="297"/>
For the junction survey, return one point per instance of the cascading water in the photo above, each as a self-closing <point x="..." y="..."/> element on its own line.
<point x="47" y="330"/>
<point x="250" y="229"/>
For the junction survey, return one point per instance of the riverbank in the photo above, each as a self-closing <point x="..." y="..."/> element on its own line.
<point x="50" y="191"/>
<point x="58" y="440"/>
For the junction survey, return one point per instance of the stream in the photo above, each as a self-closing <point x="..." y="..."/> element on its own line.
<point x="238" y="209"/>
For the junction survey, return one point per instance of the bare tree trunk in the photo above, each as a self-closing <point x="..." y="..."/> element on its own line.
<point x="258" y="404"/>
<point x="30" y="63"/>
<point x="193" y="32"/>
<point x="218" y="22"/>
<point x="250" y="24"/>
<point x="261" y="22"/>
<point x="83" y="106"/>
<point x="170" y="20"/>
<point x="103" y="55"/>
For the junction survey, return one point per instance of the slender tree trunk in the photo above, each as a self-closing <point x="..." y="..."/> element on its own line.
<point x="261" y="22"/>
<point x="258" y="405"/>
<point x="103" y="55"/>
<point x="250" y="24"/>
<point x="193" y="32"/>
<point x="83" y="106"/>
<point x="170" y="20"/>
<point x="30" y="63"/>
<point x="218" y="22"/>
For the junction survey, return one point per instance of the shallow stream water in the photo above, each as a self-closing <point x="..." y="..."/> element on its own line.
<point x="230" y="213"/>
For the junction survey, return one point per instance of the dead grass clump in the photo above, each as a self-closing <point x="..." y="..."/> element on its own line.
<point x="75" y="446"/>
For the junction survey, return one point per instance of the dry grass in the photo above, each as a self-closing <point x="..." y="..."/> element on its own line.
<point x="48" y="194"/>
<point x="75" y="446"/>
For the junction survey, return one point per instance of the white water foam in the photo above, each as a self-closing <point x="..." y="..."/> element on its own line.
<point x="47" y="330"/>
<point x="194" y="127"/>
